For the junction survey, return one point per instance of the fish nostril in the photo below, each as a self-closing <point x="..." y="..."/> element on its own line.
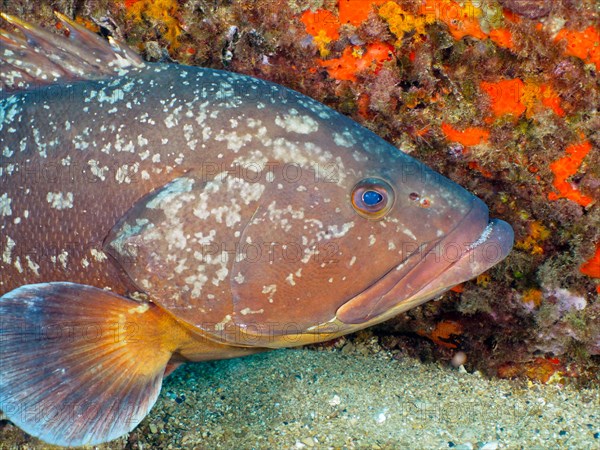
<point x="425" y="203"/>
<point x="414" y="196"/>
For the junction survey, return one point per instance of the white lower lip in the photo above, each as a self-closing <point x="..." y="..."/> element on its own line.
<point x="483" y="238"/>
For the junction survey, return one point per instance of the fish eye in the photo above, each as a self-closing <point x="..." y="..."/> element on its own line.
<point x="372" y="198"/>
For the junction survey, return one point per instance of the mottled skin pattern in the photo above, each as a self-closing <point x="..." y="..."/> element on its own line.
<point x="77" y="158"/>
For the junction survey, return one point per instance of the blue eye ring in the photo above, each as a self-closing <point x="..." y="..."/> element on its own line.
<point x="372" y="198"/>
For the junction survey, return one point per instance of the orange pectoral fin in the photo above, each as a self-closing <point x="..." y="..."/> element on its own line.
<point x="80" y="365"/>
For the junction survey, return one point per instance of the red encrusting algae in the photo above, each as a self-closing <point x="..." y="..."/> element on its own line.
<point x="474" y="165"/>
<point x="321" y="20"/>
<point x="543" y="370"/>
<point x="551" y="100"/>
<point x="584" y="44"/>
<point x="566" y="167"/>
<point x="502" y="37"/>
<point x="505" y="96"/>
<point x="356" y="12"/>
<point x="461" y="20"/>
<point x="354" y="60"/>
<point x="444" y="333"/>
<point x="591" y="267"/>
<point x="514" y="96"/>
<point x="467" y="137"/>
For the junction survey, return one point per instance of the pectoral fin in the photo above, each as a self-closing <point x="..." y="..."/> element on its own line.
<point x="80" y="365"/>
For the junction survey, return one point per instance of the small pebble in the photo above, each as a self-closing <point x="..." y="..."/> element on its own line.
<point x="153" y="428"/>
<point x="308" y="441"/>
<point x="335" y="400"/>
<point x="459" y="359"/>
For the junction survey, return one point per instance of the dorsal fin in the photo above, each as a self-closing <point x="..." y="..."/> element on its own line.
<point x="33" y="56"/>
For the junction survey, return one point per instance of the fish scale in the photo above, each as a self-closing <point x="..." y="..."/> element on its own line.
<point x="154" y="214"/>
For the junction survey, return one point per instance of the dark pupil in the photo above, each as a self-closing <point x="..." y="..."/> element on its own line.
<point x="371" y="198"/>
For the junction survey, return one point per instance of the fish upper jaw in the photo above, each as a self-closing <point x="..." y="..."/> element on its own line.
<point x="472" y="247"/>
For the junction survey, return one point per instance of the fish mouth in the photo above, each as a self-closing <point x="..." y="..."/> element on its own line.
<point x="473" y="246"/>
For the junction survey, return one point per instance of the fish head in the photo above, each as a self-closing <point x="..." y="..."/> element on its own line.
<point x="351" y="231"/>
<point x="302" y="221"/>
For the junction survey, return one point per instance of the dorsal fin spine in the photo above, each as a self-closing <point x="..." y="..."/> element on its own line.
<point x="42" y="58"/>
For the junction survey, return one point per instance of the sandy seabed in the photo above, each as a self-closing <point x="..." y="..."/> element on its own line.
<point x="294" y="399"/>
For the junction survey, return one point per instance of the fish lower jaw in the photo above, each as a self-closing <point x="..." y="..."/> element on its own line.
<point x="484" y="244"/>
<point x="492" y="246"/>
